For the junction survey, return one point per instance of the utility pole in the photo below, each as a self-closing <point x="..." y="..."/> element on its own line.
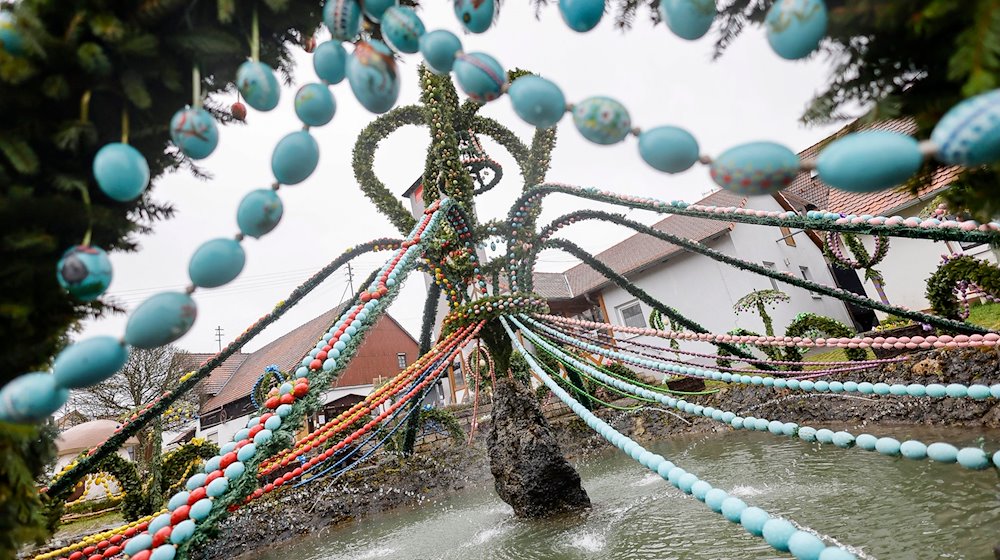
<point x="218" y="336"/>
<point x="350" y="277"/>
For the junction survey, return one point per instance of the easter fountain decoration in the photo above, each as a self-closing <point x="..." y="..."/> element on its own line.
<point x="489" y="300"/>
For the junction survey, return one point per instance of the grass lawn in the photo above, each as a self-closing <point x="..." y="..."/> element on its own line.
<point x="987" y="316"/>
<point x="91" y="525"/>
<point x="834" y="355"/>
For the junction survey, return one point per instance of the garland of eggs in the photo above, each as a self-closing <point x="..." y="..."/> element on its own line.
<point x="777" y="532"/>
<point x="972" y="458"/>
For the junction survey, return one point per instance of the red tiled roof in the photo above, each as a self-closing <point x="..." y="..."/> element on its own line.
<point x="218" y="376"/>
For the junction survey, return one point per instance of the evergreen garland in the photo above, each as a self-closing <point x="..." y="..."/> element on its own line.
<point x="941" y="285"/>
<point x="25" y="453"/>
<point x="176" y="465"/>
<point x="811" y="324"/>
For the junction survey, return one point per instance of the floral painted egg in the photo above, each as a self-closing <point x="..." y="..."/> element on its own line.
<point x="194" y="132"/>
<point x="480" y="76"/>
<point x="602" y="120"/>
<point x="755" y="168"/>
<point x="343" y="19"/>
<point x="375" y="8"/>
<point x="259" y="212"/>
<point x="161" y="320"/>
<point x="688" y="19"/>
<point x="84" y="271"/>
<point x="121" y="171"/>
<point x="31" y="397"/>
<point x="869" y="161"/>
<point x="314" y="104"/>
<point x="795" y="27"/>
<point x="10" y="37"/>
<point x="371" y="71"/>
<point x="258" y="85"/>
<point x="538" y="101"/>
<point x="402" y="29"/>
<point x="295" y="158"/>
<point x="439" y="48"/>
<point x="330" y="62"/>
<point x="475" y="15"/>
<point x="668" y="148"/>
<point x="216" y="262"/>
<point x="89" y="362"/>
<point x="969" y="133"/>
<point x="581" y="15"/>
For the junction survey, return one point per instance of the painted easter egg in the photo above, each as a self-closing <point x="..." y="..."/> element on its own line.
<point x="602" y="120"/>
<point x="538" y="101"/>
<point x="121" y="171"/>
<point x="668" y="148"/>
<point x="194" y="132"/>
<point x="258" y="85"/>
<point x="216" y="262"/>
<point x="795" y="27"/>
<point x="371" y="71"/>
<point x="402" y="29"/>
<point x="182" y="531"/>
<point x="688" y="19"/>
<point x="475" y="15"/>
<point x="755" y="168"/>
<point x="164" y="552"/>
<point x="84" y="271"/>
<point x="969" y="133"/>
<point x="330" y="62"/>
<point x="439" y="48"/>
<point x="314" y="104"/>
<point x="89" y="362"/>
<point x="161" y="320"/>
<point x="31" y="397"/>
<point x="869" y="161"/>
<point x="581" y="15"/>
<point x="375" y="8"/>
<point x="295" y="158"/>
<point x="480" y="76"/>
<point x="343" y="19"/>
<point x="10" y="37"/>
<point x="259" y="212"/>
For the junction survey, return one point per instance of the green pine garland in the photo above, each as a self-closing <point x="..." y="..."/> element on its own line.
<point x="941" y="284"/>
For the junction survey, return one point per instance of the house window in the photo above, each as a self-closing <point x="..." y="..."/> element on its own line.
<point x="459" y="375"/>
<point x="774" y="283"/>
<point x="212" y="437"/>
<point x="401" y="359"/>
<point x="806" y="275"/>
<point x="631" y="314"/>
<point x="787" y="236"/>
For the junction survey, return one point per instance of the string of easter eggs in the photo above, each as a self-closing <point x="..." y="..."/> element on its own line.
<point x="779" y="533"/>
<point x="935" y="390"/>
<point x="972" y="458"/>
<point x="98" y="544"/>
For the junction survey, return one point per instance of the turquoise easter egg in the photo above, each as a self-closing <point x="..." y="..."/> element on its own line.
<point x="688" y="19"/>
<point x="402" y="29"/>
<point x="84" y="271"/>
<point x="216" y="262"/>
<point x="969" y="133"/>
<point x="755" y="168"/>
<point x="375" y="8"/>
<point x="668" y="148"/>
<point x="438" y="49"/>
<point x="31" y="397"/>
<point x="182" y="531"/>
<point x="200" y="510"/>
<point x="581" y="15"/>
<point x="89" y="362"/>
<point x="795" y="27"/>
<point x="330" y="62"/>
<point x="314" y="104"/>
<point x="164" y="552"/>
<point x="246" y="452"/>
<point x="217" y="487"/>
<point x="537" y="101"/>
<point x="259" y="87"/>
<point x="10" y="38"/>
<point x="475" y="15"/>
<point x="602" y="120"/>
<point x="480" y="76"/>
<point x="121" y="171"/>
<point x="295" y="157"/>
<point x="371" y="71"/>
<point x="259" y="212"/>
<point x="142" y="541"/>
<point x="194" y="132"/>
<point x="869" y="161"/>
<point x="161" y="320"/>
<point x="777" y="532"/>
<point x="343" y="19"/>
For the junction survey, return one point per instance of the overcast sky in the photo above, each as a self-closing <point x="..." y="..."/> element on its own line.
<point x="750" y="94"/>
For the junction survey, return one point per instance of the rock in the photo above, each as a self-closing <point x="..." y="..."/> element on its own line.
<point x="529" y="470"/>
